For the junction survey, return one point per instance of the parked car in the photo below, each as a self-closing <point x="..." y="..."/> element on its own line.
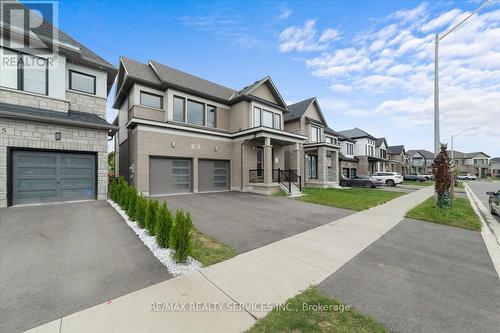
<point x="467" y="177"/>
<point x="494" y="202"/>
<point x="415" y="177"/>
<point x="389" y="178"/>
<point x="362" y="181"/>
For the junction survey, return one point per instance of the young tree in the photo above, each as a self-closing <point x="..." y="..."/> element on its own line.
<point x="181" y="236"/>
<point x="132" y="203"/>
<point x="140" y="212"/>
<point x="151" y="215"/>
<point x="163" y="226"/>
<point x="442" y="178"/>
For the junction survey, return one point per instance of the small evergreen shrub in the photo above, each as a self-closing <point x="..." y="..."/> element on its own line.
<point x="163" y="226"/>
<point x="140" y="211"/>
<point x="112" y="189"/>
<point x="151" y="215"/>
<point x="180" y="238"/>
<point x="132" y="204"/>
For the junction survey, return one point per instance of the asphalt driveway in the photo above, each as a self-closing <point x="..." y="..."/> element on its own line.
<point x="58" y="259"/>
<point x="423" y="277"/>
<point x="480" y="187"/>
<point x="246" y="221"/>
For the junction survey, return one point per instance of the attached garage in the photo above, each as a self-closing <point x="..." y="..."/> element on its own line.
<point x="169" y="176"/>
<point x="213" y="175"/>
<point x="42" y="176"/>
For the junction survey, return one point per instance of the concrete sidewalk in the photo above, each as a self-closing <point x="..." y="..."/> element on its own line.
<point x="258" y="279"/>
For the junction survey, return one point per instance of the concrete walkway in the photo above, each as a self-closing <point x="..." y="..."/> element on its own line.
<point x="258" y="279"/>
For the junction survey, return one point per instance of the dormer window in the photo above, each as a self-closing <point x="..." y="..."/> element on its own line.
<point x="82" y="82"/>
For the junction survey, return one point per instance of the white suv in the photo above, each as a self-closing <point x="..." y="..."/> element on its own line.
<point x="389" y="178"/>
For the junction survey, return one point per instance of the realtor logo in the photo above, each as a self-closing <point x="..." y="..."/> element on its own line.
<point x="29" y="26"/>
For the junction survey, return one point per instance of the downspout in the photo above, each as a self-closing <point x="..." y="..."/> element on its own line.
<point x="241" y="159"/>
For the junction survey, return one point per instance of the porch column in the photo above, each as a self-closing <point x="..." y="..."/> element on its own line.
<point x="296" y="158"/>
<point x="378" y="166"/>
<point x="268" y="162"/>
<point x="322" y="165"/>
<point x="335" y="166"/>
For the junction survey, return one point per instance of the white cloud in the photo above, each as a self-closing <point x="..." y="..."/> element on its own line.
<point x="341" y="88"/>
<point x="441" y="20"/>
<point x="305" y="38"/>
<point x="284" y="14"/>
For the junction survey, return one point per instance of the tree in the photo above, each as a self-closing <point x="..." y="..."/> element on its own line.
<point x="140" y="211"/>
<point x="111" y="162"/>
<point x="163" y="226"/>
<point x="132" y="204"/>
<point x="442" y="177"/>
<point x="181" y="236"/>
<point x="151" y="215"/>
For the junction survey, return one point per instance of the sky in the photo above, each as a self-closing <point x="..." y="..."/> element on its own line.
<point x="369" y="63"/>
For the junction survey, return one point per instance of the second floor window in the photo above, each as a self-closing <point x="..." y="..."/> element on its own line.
<point x="24" y="72"/>
<point x="195" y="113"/>
<point x="329" y="140"/>
<point x="256" y="117"/>
<point x="211" y="116"/>
<point x="82" y="82"/>
<point x="151" y="100"/>
<point x="383" y="153"/>
<point x="315" y="134"/>
<point x="267" y="118"/>
<point x="350" y="149"/>
<point x="179" y="106"/>
<point x="277" y="121"/>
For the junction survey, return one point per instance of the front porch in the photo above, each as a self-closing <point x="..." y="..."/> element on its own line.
<point x="321" y="165"/>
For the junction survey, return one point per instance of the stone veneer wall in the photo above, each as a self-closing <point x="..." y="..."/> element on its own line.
<point x="21" y="134"/>
<point x="33" y="100"/>
<point x="87" y="103"/>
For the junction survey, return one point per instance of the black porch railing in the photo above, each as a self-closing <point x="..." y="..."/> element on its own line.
<point x="257" y="175"/>
<point x="289" y="177"/>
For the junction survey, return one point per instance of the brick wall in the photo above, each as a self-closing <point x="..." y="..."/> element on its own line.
<point x="33" y="100"/>
<point x="86" y="103"/>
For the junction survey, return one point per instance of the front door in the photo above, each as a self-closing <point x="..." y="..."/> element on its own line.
<point x="260" y="162"/>
<point x="312" y="163"/>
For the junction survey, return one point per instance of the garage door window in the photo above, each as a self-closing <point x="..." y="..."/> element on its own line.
<point x="181" y="174"/>
<point x="220" y="174"/>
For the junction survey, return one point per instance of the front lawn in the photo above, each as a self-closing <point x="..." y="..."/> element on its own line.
<point x="312" y="311"/>
<point x="461" y="215"/>
<point x="413" y="182"/>
<point x="208" y="250"/>
<point x="350" y="198"/>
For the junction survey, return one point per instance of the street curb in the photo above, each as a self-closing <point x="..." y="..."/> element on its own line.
<point x="490" y="239"/>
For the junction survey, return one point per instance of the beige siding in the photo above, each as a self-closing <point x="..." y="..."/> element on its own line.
<point x="146" y="113"/>
<point x="240" y="116"/>
<point x="264" y="92"/>
<point x="223" y="118"/>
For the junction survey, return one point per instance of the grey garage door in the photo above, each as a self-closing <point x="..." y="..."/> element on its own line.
<point x="169" y="176"/>
<point x="39" y="177"/>
<point x="213" y="175"/>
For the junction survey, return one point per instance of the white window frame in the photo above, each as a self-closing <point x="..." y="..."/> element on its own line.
<point x="257" y="114"/>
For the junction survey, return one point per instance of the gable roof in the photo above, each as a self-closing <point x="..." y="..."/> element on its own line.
<point x="379" y="142"/>
<point x="297" y="110"/>
<point x="495" y="160"/>
<point x="474" y="154"/>
<point x="356" y="133"/>
<point x="246" y="91"/>
<point x="66" y="44"/>
<point x="396" y="150"/>
<point x="425" y="153"/>
<point x="341" y="137"/>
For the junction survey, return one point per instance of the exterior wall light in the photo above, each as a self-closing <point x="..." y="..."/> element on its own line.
<point x="173" y="144"/>
<point x="58" y="136"/>
<point x="216" y="148"/>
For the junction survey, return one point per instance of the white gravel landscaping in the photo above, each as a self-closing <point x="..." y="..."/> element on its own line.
<point x="164" y="255"/>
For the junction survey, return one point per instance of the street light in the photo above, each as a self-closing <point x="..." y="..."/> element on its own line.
<point x="453" y="161"/>
<point x="437" y="39"/>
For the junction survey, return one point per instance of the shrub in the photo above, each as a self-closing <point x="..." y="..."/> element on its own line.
<point x="180" y="238"/>
<point x="140" y="211"/>
<point x="112" y="190"/>
<point x="151" y="214"/>
<point x="132" y="204"/>
<point x="442" y="177"/>
<point x="163" y="226"/>
<point x="122" y="194"/>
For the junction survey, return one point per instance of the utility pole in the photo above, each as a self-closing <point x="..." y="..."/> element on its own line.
<point x="453" y="162"/>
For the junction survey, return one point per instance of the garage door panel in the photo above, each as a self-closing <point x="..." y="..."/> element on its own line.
<point x="169" y="176"/>
<point x="213" y="175"/>
<point x="52" y="176"/>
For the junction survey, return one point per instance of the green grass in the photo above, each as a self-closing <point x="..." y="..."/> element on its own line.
<point x="460" y="215"/>
<point x="350" y="198"/>
<point x="460" y="185"/>
<point x="208" y="250"/>
<point x="295" y="316"/>
<point x="412" y="182"/>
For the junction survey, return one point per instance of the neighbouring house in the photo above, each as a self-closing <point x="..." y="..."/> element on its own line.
<point x="348" y="162"/>
<point x="53" y="128"/>
<point x="182" y="134"/>
<point x="321" y="148"/>
<point x="475" y="163"/>
<point x="397" y="154"/>
<point x="495" y="167"/>
<point x="420" y="161"/>
<point x="370" y="152"/>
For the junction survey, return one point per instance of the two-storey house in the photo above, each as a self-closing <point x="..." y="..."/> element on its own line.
<point x="397" y="154"/>
<point x="420" y="161"/>
<point x="348" y="162"/>
<point x="495" y="167"/>
<point x="321" y="148"/>
<point x="181" y="134"/>
<point x="475" y="163"/>
<point x="53" y="128"/>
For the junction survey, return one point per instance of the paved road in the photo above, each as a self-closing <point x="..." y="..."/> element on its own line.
<point x="423" y="277"/>
<point x="480" y="187"/>
<point x="246" y="221"/>
<point x="58" y="259"/>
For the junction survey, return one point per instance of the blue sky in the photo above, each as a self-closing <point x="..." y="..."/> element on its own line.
<point x="369" y="63"/>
